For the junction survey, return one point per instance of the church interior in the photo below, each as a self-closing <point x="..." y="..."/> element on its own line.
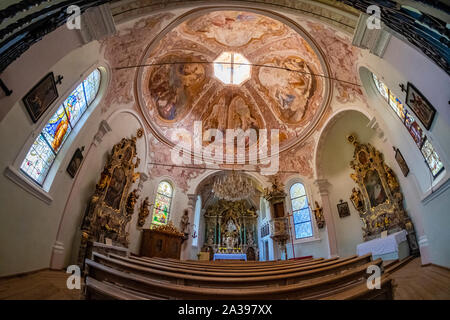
<point x="231" y="150"/>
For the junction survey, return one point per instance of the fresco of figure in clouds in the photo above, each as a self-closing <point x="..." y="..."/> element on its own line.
<point x="291" y="90"/>
<point x="233" y="28"/>
<point x="174" y="86"/>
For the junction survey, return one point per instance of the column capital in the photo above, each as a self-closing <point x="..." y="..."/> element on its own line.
<point x="192" y="199"/>
<point x="323" y="186"/>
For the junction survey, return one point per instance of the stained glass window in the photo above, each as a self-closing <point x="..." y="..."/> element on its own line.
<point x="42" y="153"/>
<point x="417" y="133"/>
<point x="163" y="203"/>
<point x="434" y="162"/>
<point x="300" y="211"/>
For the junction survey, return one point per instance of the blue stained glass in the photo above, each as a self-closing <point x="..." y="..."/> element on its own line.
<point x="75" y="105"/>
<point x="302" y="216"/>
<point x="303" y="230"/>
<point x="38" y="160"/>
<point x="91" y="85"/>
<point x="57" y="129"/>
<point x="299" y="203"/>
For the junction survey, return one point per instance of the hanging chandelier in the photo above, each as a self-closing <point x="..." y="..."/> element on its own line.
<point x="233" y="186"/>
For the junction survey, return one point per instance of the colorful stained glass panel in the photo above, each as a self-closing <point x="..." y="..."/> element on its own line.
<point x="397" y="106"/>
<point x="165" y="188"/>
<point x="57" y="129"/>
<point x="433" y="161"/>
<point x="38" y="160"/>
<point x="382" y="88"/>
<point x="75" y="105"/>
<point x="91" y="85"/>
<point x="414" y="129"/>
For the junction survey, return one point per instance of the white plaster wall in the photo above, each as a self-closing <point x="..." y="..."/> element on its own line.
<point x="28" y="225"/>
<point x="400" y="64"/>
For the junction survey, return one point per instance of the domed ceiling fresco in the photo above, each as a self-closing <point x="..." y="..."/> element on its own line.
<point x="183" y="84"/>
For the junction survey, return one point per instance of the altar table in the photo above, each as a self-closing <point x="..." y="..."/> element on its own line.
<point x="394" y="246"/>
<point x="230" y="256"/>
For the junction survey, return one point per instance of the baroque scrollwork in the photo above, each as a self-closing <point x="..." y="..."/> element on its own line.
<point x="110" y="208"/>
<point x="378" y="197"/>
<point x="144" y="212"/>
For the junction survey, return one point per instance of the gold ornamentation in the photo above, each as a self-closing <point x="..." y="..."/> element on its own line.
<point x="318" y="213"/>
<point x="140" y="132"/>
<point x="378" y="198"/>
<point x="168" y="228"/>
<point x="143" y="212"/>
<point x="109" y="209"/>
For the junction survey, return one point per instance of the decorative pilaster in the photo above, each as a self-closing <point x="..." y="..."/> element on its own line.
<point x="103" y="129"/>
<point x="323" y="186"/>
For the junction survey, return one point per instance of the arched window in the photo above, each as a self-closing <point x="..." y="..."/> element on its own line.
<point x="48" y="143"/>
<point x="300" y="211"/>
<point x="432" y="159"/>
<point x="163" y="202"/>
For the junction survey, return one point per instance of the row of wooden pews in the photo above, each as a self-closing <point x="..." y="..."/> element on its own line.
<point x="112" y="276"/>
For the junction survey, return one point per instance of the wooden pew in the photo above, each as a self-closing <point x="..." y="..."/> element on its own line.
<point x="236" y="281"/>
<point x="237" y="272"/>
<point x="178" y="264"/>
<point x="313" y="289"/>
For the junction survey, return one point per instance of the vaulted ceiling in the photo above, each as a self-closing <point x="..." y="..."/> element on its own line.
<point x="282" y="92"/>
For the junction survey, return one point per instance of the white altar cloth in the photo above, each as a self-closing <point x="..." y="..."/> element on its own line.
<point x="382" y="246"/>
<point x="230" y="256"/>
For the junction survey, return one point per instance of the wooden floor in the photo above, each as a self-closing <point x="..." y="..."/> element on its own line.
<point x="42" y="285"/>
<point x="413" y="282"/>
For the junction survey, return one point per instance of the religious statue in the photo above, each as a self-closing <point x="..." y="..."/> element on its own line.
<point x="131" y="202"/>
<point x="318" y="213"/>
<point x="143" y="212"/>
<point x="250" y="239"/>
<point x="210" y="240"/>
<point x="357" y="199"/>
<point x="184" y="223"/>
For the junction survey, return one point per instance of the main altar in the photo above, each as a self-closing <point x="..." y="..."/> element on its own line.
<point x="231" y="230"/>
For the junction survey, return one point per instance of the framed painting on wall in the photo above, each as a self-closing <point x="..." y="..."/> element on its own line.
<point x="40" y="97"/>
<point x="75" y="162"/>
<point x="343" y="209"/>
<point x="420" y="106"/>
<point x="401" y="162"/>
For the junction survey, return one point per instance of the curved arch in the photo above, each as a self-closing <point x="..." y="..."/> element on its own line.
<point x="141" y="123"/>
<point x="325" y="130"/>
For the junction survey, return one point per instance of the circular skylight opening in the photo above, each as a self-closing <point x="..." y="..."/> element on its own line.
<point x="232" y="68"/>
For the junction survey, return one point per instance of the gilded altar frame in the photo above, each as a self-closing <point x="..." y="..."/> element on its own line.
<point x="110" y="208"/>
<point x="378" y="197"/>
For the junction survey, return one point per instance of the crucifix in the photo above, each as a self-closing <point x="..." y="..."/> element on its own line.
<point x="402" y="86"/>
<point x="59" y="79"/>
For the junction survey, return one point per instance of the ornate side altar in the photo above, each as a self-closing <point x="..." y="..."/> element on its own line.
<point x="231" y="228"/>
<point x="378" y="197"/>
<point x="110" y="208"/>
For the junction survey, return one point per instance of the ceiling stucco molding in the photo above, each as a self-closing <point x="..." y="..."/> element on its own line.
<point x="331" y="12"/>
